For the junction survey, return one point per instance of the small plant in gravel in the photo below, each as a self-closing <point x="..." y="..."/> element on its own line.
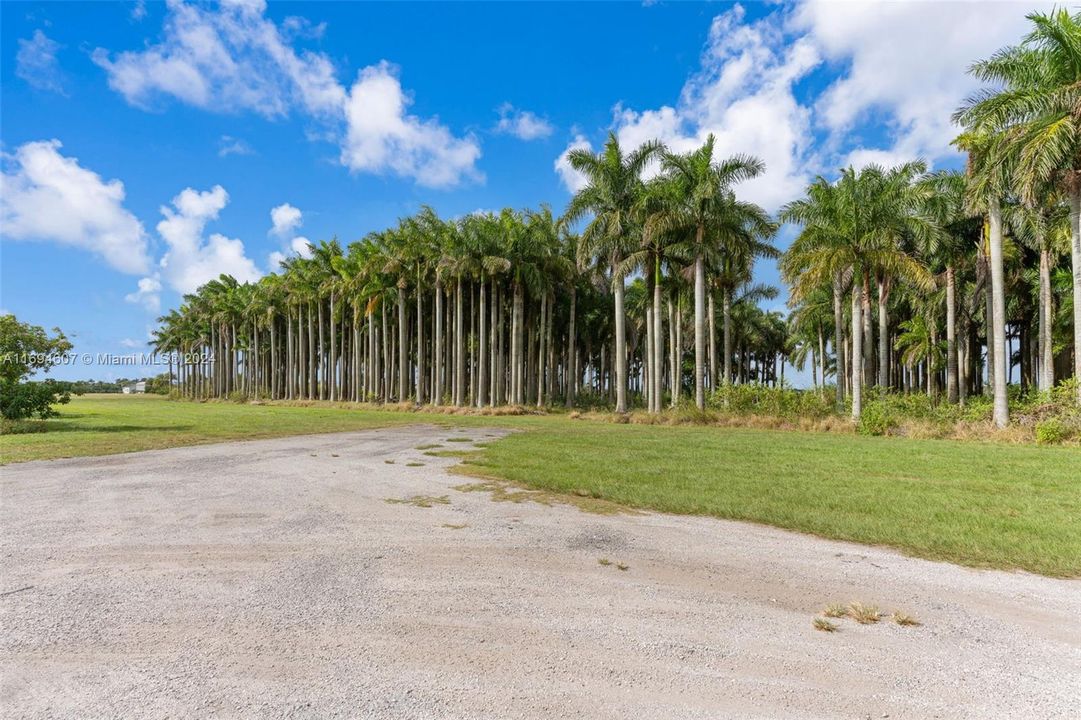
<point x="835" y="610"/>
<point x="459" y="439"/>
<point x="428" y="446"/>
<point x="604" y="561"/>
<point x="864" y="614"/>
<point x="414" y="464"/>
<point x="904" y="619"/>
<point x="455" y="526"/>
<point x="623" y="567"/>
<point x="824" y="625"/>
<point x="389" y="462"/>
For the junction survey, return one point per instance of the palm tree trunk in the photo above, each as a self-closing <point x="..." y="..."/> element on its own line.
<point x="838" y="344"/>
<point x="857" y="347"/>
<point x="403" y="361"/>
<point x="459" y="347"/>
<point x="711" y="319"/>
<point x="1075" y="260"/>
<point x="572" y="352"/>
<point x="437" y="346"/>
<point x="1046" y="353"/>
<point x="998" y="299"/>
<point x="883" y="333"/>
<point x="620" y="359"/>
<point x="700" y="327"/>
<point x="951" y="336"/>
<point x="658" y="342"/>
<point x="726" y="310"/>
<point x="420" y="342"/>
<point x="541" y="349"/>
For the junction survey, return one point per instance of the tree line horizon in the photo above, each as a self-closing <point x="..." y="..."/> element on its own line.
<point x="900" y="279"/>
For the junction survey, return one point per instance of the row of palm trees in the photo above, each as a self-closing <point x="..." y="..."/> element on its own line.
<point x="947" y="257"/>
<point x="900" y="278"/>
<point x="513" y="308"/>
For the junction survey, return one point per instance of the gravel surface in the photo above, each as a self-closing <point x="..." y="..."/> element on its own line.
<point x="273" y="579"/>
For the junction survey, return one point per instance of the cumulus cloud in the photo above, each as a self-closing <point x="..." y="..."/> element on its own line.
<point x="233" y="59"/>
<point x="192" y="259"/>
<point x="572" y="179"/>
<point x="147" y="294"/>
<point x="522" y="124"/>
<point x="893" y="74"/>
<point x="383" y="137"/>
<point x="907" y="61"/>
<point x="285" y="219"/>
<point x="36" y="63"/>
<point x="47" y="196"/>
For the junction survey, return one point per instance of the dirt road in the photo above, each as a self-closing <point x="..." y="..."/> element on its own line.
<point x="274" y="579"/>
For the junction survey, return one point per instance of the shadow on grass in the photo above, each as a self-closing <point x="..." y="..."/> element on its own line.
<point x="62" y="426"/>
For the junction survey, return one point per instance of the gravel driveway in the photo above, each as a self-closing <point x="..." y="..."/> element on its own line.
<point x="274" y="579"/>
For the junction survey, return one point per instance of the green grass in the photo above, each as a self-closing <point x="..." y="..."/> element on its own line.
<point x="978" y="504"/>
<point x="973" y="503"/>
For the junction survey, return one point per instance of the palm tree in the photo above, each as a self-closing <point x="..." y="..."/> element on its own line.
<point x="706" y="200"/>
<point x="613" y="188"/>
<point x="1035" y="118"/>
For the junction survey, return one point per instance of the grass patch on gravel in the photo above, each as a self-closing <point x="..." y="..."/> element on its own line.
<point x="421" y="501"/>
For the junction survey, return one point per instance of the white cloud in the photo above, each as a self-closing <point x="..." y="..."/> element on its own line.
<point x="894" y="74"/>
<point x="191" y="259"/>
<point x="522" y="124"/>
<point x="301" y="246"/>
<point x="148" y="294"/>
<point x="286" y="219"/>
<point x="743" y="95"/>
<point x="129" y="343"/>
<point x="139" y="11"/>
<point x="47" y="196"/>
<point x="382" y="137"/>
<point x="233" y="59"/>
<point x="572" y="179"/>
<point x="226" y="59"/>
<point x="229" y="145"/>
<point x="906" y="60"/>
<point x="36" y="63"/>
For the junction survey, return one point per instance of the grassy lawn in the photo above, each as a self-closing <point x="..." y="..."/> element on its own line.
<point x="978" y="504"/>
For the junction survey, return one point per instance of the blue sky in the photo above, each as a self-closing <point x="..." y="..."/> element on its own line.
<point x="145" y="145"/>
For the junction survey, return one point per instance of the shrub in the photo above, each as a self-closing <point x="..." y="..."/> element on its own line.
<point x="19" y="401"/>
<point x="1051" y="431"/>
<point x="875" y="419"/>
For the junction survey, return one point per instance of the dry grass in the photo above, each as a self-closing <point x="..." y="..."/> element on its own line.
<point x="824" y="625"/>
<point x="835" y="610"/>
<point x="455" y="526"/>
<point x="864" y="614"/>
<point x="421" y="501"/>
<point x="904" y="619"/>
<point x="428" y="446"/>
<point x="502" y="491"/>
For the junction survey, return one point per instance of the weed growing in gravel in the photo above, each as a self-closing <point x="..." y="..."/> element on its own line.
<point x="428" y="446"/>
<point x="389" y="462"/>
<point x="835" y="610"/>
<point x="604" y="561"/>
<point x="414" y="464"/>
<point x="824" y="625"/>
<point x="454" y="526"/>
<point x="904" y="619"/>
<point x="864" y="614"/>
<point x="623" y="567"/>
<point x="421" y="501"/>
<point x="460" y="439"/>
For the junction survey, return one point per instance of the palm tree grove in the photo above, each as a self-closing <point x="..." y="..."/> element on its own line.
<point x="658" y="360"/>
<point x="955" y="284"/>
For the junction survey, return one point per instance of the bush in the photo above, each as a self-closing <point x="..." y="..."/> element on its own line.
<point x="876" y="419"/>
<point x="1051" y="431"/>
<point x="784" y="402"/>
<point x="19" y="401"/>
